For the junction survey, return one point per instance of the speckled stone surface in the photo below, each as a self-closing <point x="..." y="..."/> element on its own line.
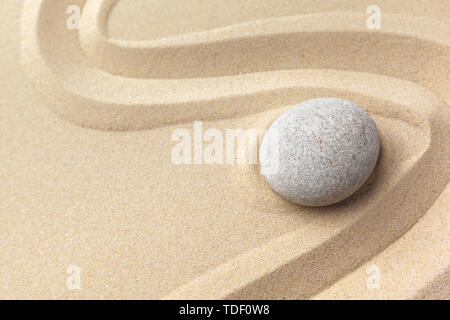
<point x="327" y="148"/>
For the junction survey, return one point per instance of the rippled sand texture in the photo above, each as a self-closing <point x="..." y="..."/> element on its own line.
<point x="86" y="149"/>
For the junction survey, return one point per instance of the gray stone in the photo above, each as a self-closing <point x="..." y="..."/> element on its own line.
<point x="320" y="151"/>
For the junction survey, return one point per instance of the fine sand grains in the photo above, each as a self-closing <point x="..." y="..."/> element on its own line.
<point x="89" y="191"/>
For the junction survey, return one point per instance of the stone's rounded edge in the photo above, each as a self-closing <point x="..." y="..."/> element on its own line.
<point x="327" y="149"/>
<point x="237" y="270"/>
<point x="421" y="272"/>
<point x="145" y="111"/>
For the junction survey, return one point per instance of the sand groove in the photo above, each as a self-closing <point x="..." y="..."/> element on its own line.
<point x="101" y="100"/>
<point x="398" y="74"/>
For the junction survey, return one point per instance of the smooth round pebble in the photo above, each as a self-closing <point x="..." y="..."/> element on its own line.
<point x="320" y="151"/>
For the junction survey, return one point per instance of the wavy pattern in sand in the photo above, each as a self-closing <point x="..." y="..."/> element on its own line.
<point x="399" y="74"/>
<point x="102" y="100"/>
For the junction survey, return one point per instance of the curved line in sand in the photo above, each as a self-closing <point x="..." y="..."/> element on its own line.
<point x="101" y="100"/>
<point x="292" y="267"/>
<point x="300" y="42"/>
<point x="91" y="97"/>
<point x="404" y="273"/>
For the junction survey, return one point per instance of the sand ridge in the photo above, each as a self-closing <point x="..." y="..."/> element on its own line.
<point x="153" y="102"/>
<point x="138" y="232"/>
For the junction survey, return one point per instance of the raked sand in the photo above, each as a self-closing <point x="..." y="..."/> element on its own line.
<point x="89" y="184"/>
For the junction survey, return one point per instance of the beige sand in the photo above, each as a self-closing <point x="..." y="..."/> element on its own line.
<point x="86" y="149"/>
